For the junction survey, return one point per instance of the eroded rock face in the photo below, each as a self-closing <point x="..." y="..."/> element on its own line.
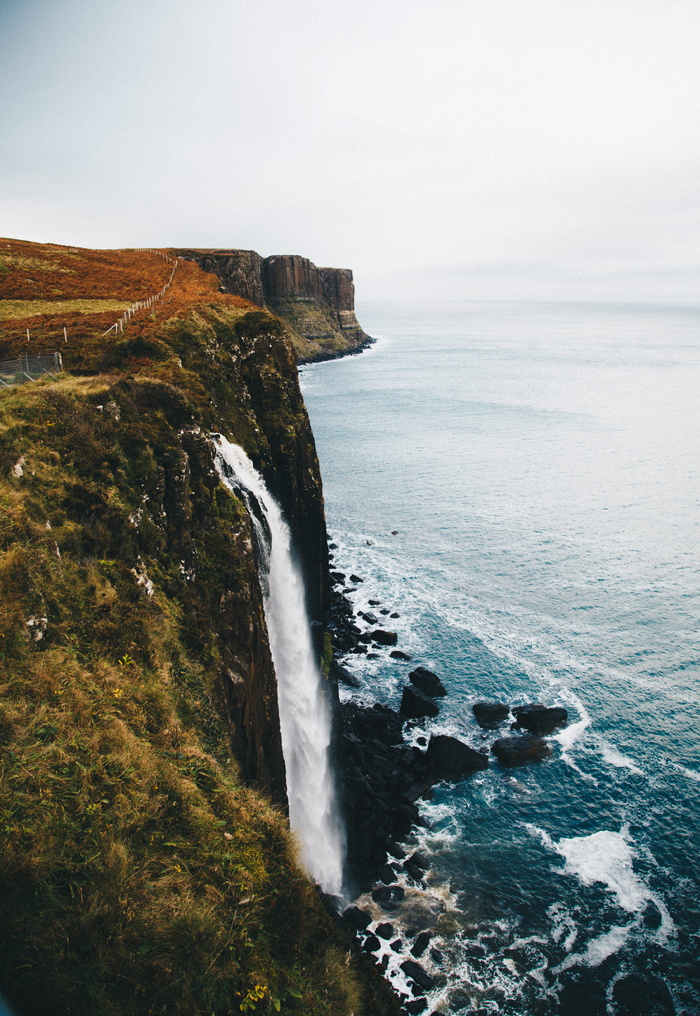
<point x="240" y="271"/>
<point x="318" y="303"/>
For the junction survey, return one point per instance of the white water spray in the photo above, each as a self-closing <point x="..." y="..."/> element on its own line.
<point x="305" y="720"/>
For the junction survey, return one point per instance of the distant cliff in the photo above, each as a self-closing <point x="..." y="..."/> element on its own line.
<point x="318" y="303"/>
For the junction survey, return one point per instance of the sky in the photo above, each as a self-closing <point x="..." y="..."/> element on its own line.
<point x="452" y="149"/>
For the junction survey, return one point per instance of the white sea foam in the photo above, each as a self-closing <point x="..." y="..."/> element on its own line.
<point x="598" y="949"/>
<point x="615" y="758"/>
<point x="606" y="858"/>
<point x="568" y="737"/>
<point x="691" y="774"/>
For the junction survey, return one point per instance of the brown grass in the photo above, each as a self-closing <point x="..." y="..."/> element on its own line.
<point x="21" y="309"/>
<point x="73" y="280"/>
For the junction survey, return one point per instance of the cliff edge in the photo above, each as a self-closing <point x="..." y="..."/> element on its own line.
<point x="318" y="304"/>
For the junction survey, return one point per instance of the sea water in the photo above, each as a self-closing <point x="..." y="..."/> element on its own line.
<point x="521" y="483"/>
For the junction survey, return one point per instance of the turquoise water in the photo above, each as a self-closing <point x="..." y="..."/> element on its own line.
<point x="540" y="466"/>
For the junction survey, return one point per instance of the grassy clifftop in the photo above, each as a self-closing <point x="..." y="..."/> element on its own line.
<point x="143" y="867"/>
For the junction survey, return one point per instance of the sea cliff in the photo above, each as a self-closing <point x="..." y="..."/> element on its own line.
<point x="318" y="304"/>
<point x="146" y="862"/>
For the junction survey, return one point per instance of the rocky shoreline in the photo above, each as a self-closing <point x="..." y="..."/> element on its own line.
<point x="382" y="779"/>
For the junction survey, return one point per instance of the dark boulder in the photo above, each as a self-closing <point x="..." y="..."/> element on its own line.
<point x="416" y="972"/>
<point x="386" y="874"/>
<point x="355" y="578"/>
<point x="450" y="758"/>
<point x="415" y="1006"/>
<point x="394" y="850"/>
<point x="645" y="993"/>
<point x="539" y="719"/>
<point x="369" y="617"/>
<point x="338" y="576"/>
<point x="371" y="943"/>
<point x="388" y="896"/>
<point x="384" y="931"/>
<point x="427" y="682"/>
<point x="521" y="749"/>
<point x="356" y="918"/>
<point x="413" y="871"/>
<point x="398" y="654"/>
<point x="384" y="638"/>
<point x="414" y="704"/>
<point x="490" y="715"/>
<point x="421" y="944"/>
<point x="343" y="675"/>
<point x="420" y="860"/>
<point x="374" y="603"/>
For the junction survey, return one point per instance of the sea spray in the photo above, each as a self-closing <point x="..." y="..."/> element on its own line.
<point x="305" y="720"/>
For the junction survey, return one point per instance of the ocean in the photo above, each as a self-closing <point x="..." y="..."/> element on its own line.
<point x="521" y="483"/>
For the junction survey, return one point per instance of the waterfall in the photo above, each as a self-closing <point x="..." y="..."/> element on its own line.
<point x="305" y="719"/>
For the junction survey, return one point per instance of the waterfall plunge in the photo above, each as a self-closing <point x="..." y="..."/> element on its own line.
<point x="305" y="721"/>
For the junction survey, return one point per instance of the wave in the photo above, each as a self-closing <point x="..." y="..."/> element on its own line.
<point x="606" y="858"/>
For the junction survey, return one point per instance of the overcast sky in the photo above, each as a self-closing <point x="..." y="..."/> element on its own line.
<point x="457" y="148"/>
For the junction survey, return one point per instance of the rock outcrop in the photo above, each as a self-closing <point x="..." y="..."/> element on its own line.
<point x="317" y="303"/>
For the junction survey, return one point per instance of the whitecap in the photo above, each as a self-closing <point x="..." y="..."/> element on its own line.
<point x="615" y="758"/>
<point x="598" y="949"/>
<point x="568" y="737"/>
<point x="691" y="774"/>
<point x="606" y="858"/>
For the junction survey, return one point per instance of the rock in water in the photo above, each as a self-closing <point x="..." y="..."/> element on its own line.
<point x="421" y="944"/>
<point x="539" y="719"/>
<point x="384" y="638"/>
<point x="521" y="749"/>
<point x="450" y="758"/>
<point x="415" y="705"/>
<point x="427" y="682"/>
<point x="416" y="972"/>
<point x="416" y="1006"/>
<point x="356" y="918"/>
<point x="490" y="715"/>
<point x="388" y="896"/>
<point x="398" y="654"/>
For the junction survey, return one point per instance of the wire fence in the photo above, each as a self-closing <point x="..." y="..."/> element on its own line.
<point x="29" y="368"/>
<point x="120" y="325"/>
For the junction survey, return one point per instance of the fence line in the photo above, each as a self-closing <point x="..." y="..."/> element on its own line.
<point x="118" y="326"/>
<point x="29" y="368"/>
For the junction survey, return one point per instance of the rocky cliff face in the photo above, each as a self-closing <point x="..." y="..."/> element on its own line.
<point x="318" y="303"/>
<point x="135" y="668"/>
